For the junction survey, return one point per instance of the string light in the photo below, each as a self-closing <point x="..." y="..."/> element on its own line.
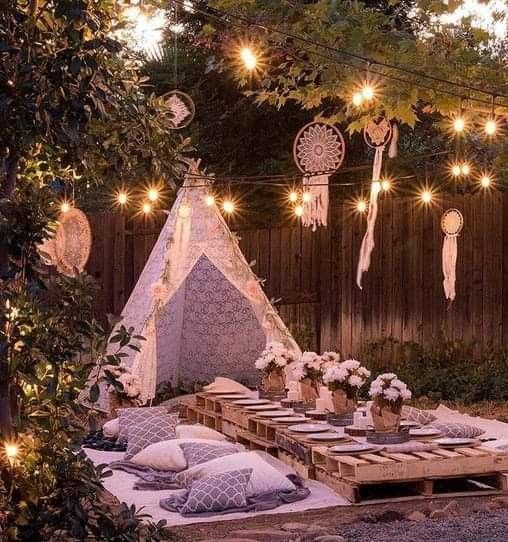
<point x="299" y="210"/>
<point x="147" y="208"/>
<point x="307" y="197"/>
<point x="357" y="99"/>
<point x="210" y="200"/>
<point x="459" y="124"/>
<point x="153" y="194"/>
<point x="485" y="181"/>
<point x="293" y="196"/>
<point x="228" y="206"/>
<point x="386" y="185"/>
<point x="456" y="170"/>
<point x="376" y="187"/>
<point x="465" y="169"/>
<point x="65" y="207"/>
<point x="122" y="198"/>
<point x="491" y="127"/>
<point x="11" y="452"/>
<point x="426" y="196"/>
<point x="361" y="206"/>
<point x="248" y="58"/>
<point x="367" y="92"/>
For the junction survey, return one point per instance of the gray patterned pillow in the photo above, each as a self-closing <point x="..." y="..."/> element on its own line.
<point x="218" y="492"/>
<point x="416" y="415"/>
<point x="150" y="431"/>
<point x="458" y="430"/>
<point x="198" y="452"/>
<point x="131" y="416"/>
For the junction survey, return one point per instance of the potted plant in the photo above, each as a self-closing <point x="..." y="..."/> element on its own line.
<point x="272" y="363"/>
<point x="344" y="380"/>
<point x="124" y="388"/>
<point x="309" y="372"/>
<point x="388" y="394"/>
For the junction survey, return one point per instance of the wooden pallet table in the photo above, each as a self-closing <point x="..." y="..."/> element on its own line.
<point x="196" y="414"/>
<point x="253" y="442"/>
<point x="383" y="475"/>
<point x="209" y="402"/>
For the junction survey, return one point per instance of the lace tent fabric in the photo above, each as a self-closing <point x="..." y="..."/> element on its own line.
<point x="452" y="223"/>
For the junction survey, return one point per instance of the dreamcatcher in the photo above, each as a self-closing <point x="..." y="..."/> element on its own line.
<point x="318" y="151"/>
<point x="69" y="249"/>
<point x="452" y="223"/>
<point x="182" y="109"/>
<point x="377" y="134"/>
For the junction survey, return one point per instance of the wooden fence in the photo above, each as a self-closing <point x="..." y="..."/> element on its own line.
<point x="313" y="274"/>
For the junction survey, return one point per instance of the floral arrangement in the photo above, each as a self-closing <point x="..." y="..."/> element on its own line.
<point x="387" y="388"/>
<point x="348" y="376"/>
<point x="274" y="357"/>
<point x="310" y="366"/>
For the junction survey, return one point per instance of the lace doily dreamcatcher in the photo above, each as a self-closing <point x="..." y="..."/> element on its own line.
<point x="452" y="223"/>
<point x="318" y="150"/>
<point x="182" y="109"/>
<point x="378" y="133"/>
<point x="69" y="249"/>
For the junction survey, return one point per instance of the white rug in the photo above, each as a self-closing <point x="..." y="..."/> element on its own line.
<point x="121" y="483"/>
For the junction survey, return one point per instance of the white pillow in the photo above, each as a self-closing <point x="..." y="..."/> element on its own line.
<point x="198" y="431"/>
<point x="264" y="478"/>
<point x="111" y="429"/>
<point x="167" y="455"/>
<point x="226" y="385"/>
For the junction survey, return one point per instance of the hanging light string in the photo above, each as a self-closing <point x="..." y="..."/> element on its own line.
<point x="245" y="22"/>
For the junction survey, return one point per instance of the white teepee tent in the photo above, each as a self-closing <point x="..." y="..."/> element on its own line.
<point x="197" y="302"/>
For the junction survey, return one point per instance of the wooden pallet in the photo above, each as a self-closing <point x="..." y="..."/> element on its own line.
<point x="209" y="403"/>
<point x="196" y="414"/>
<point x="236" y="415"/>
<point x="308" y="472"/>
<point x="253" y="442"/>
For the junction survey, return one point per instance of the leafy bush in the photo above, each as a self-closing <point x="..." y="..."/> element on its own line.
<point x="447" y="371"/>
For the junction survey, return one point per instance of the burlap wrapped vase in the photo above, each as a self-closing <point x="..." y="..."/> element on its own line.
<point x="274" y="381"/>
<point x="342" y="404"/>
<point x="309" y="390"/>
<point x="386" y="417"/>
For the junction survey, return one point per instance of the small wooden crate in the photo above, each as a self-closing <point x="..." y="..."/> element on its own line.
<point x="264" y="428"/>
<point x="195" y="414"/>
<point x="236" y="415"/>
<point x="210" y="403"/>
<point x="253" y="442"/>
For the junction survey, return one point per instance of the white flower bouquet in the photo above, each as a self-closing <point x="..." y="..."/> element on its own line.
<point x="388" y="393"/>
<point x="344" y="380"/>
<point x="309" y="373"/>
<point x="272" y="362"/>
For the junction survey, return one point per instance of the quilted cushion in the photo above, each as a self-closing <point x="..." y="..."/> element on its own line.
<point x="416" y="415"/>
<point x="458" y="430"/>
<point x="199" y="452"/>
<point x="130" y="416"/>
<point x="264" y="478"/>
<point x="198" y="431"/>
<point x="150" y="431"/>
<point x="218" y="492"/>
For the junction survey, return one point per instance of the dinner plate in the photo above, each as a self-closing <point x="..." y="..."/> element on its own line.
<point x="455" y="442"/>
<point x="309" y="428"/>
<point x="227" y="392"/>
<point x="251" y="402"/>
<point x="353" y="449"/>
<point x="235" y="397"/>
<point x="275" y="413"/>
<point x="424" y="432"/>
<point x="259" y="408"/>
<point x="326" y="436"/>
<point x="292" y="419"/>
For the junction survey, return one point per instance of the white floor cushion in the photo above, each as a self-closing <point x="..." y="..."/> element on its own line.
<point x="264" y="478"/>
<point x="167" y="455"/>
<point x="198" y="431"/>
<point x="226" y="385"/>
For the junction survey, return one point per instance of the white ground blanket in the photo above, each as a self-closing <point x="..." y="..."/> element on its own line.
<point x="121" y="483"/>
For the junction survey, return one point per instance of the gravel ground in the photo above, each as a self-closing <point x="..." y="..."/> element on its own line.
<point x="479" y="527"/>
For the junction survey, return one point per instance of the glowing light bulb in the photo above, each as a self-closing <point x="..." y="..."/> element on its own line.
<point x="491" y="127"/>
<point x="386" y="185"/>
<point x="299" y="210"/>
<point x="209" y="200"/>
<point x="459" y="124"/>
<point x="307" y="197"/>
<point x="466" y="169"/>
<point x="293" y="196"/>
<point x="147" y="208"/>
<point x="456" y="170"/>
<point x="361" y="206"/>
<point x="228" y="206"/>
<point x="485" y="181"/>
<point x="367" y="92"/>
<point x="153" y="194"/>
<point x="426" y="196"/>
<point x="357" y="99"/>
<point x="376" y="187"/>
<point x="248" y="57"/>
<point x="11" y="451"/>
<point x="65" y="207"/>
<point x="122" y="198"/>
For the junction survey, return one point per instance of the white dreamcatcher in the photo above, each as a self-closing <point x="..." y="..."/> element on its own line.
<point x="377" y="134"/>
<point x="182" y="109"/>
<point x="452" y="223"/>
<point x="318" y="151"/>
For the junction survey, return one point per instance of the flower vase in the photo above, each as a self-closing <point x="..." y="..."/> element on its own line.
<point x="274" y="381"/>
<point x="116" y="402"/>
<point x="386" y="416"/>
<point x="309" y="391"/>
<point x="342" y="404"/>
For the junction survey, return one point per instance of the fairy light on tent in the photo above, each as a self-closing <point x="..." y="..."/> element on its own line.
<point x="298" y="211"/>
<point x="153" y="194"/>
<point x="228" y="206"/>
<point x="209" y="200"/>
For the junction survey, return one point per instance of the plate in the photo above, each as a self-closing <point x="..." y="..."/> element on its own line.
<point x="233" y="397"/>
<point x="250" y="402"/>
<point x="227" y="392"/>
<point x="455" y="442"/>
<point x="276" y="413"/>
<point x="326" y="436"/>
<point x="353" y="449"/>
<point x="292" y="419"/>
<point x="309" y="428"/>
<point x="424" y="432"/>
<point x="259" y="408"/>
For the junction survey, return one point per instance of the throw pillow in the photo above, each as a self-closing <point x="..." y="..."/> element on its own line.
<point x="168" y="456"/>
<point x="197" y="452"/>
<point x="227" y="385"/>
<point x="111" y="429"/>
<point x="416" y="415"/>
<point x="218" y="492"/>
<point x="264" y="478"/>
<point x="198" y="431"/>
<point x="130" y="416"/>
<point x="150" y="431"/>
<point x="458" y="430"/>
